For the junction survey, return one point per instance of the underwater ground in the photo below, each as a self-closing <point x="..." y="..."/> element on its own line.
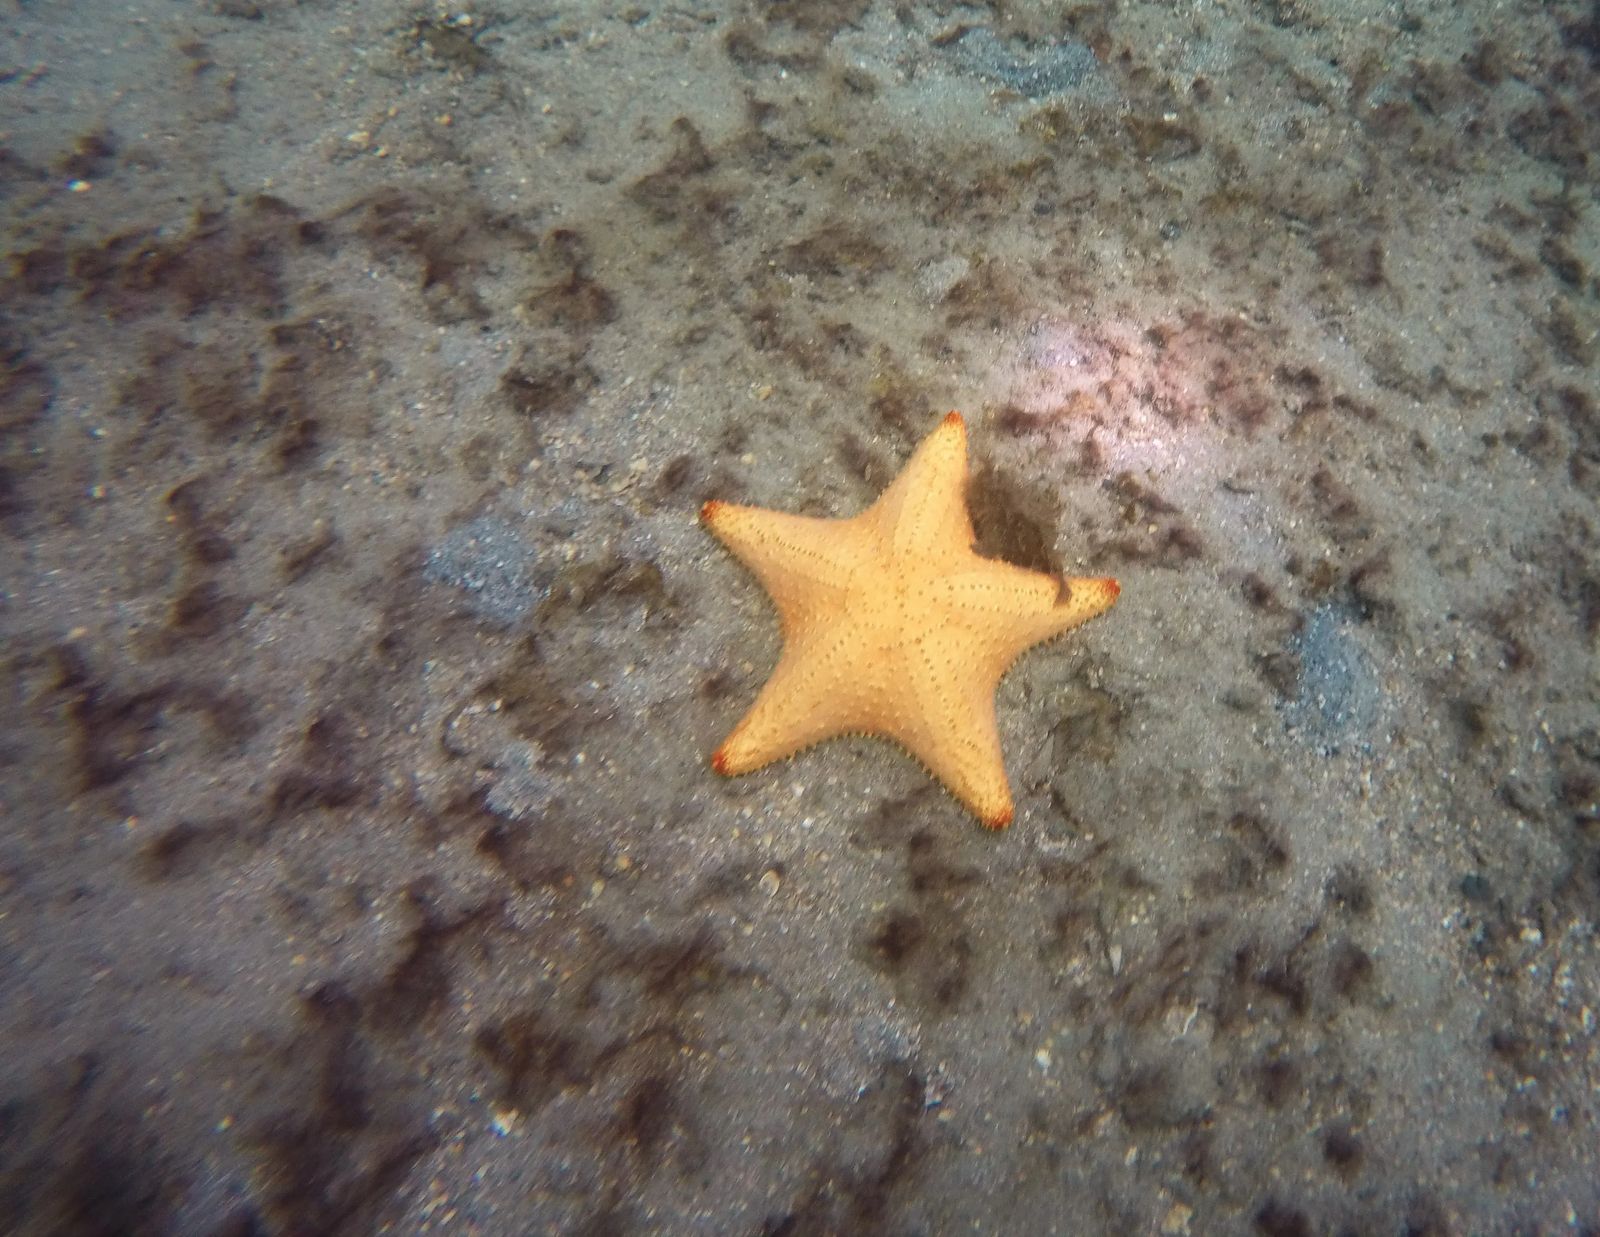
<point x="364" y="369"/>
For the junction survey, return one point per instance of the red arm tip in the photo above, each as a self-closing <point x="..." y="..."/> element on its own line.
<point x="999" y="820"/>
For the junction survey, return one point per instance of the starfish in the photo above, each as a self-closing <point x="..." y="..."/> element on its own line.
<point x="893" y="626"/>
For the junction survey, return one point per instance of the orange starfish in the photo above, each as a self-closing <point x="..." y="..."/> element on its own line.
<point x="892" y="626"/>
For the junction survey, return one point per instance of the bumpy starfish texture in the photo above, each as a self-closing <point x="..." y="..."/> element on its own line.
<point x="892" y="626"/>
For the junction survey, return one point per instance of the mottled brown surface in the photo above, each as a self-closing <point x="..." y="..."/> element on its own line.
<point x="361" y="373"/>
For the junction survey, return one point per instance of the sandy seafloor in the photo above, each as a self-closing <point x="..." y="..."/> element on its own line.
<point x="365" y="367"/>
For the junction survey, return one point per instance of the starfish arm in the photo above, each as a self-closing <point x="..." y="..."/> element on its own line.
<point x="952" y="729"/>
<point x="1009" y="609"/>
<point x="803" y="562"/>
<point x="817" y="691"/>
<point x="924" y="510"/>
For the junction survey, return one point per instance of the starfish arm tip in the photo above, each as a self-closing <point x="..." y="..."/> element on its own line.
<point x="954" y="420"/>
<point x="721" y="763"/>
<point x="999" y="819"/>
<point x="709" y="509"/>
<point x="1104" y="587"/>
